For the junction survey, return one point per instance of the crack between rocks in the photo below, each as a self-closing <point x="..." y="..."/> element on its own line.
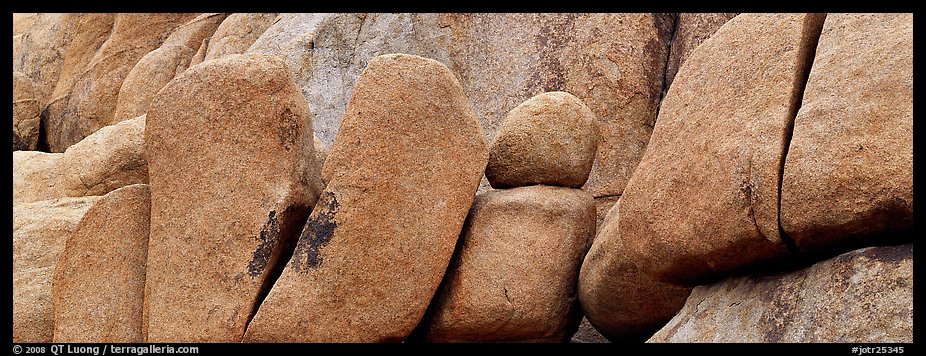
<point x="665" y="69"/>
<point x="293" y="221"/>
<point x="813" y="24"/>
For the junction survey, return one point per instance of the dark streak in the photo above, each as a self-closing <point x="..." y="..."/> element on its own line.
<point x="318" y="231"/>
<point x="269" y="236"/>
<point x="289" y="128"/>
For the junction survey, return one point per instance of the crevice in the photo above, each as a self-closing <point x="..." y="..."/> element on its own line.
<point x="812" y="28"/>
<point x="607" y="196"/>
<point x="665" y="68"/>
<point x="290" y="226"/>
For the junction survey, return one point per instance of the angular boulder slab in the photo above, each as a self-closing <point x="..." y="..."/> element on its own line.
<point x="514" y="276"/>
<point x="110" y="158"/>
<point x="99" y="283"/>
<point x="620" y="299"/>
<point x="40" y="230"/>
<point x="549" y="139"/>
<point x="864" y="295"/>
<point x="691" y="29"/>
<point x="402" y="175"/>
<point x="26" y="112"/>
<point x="704" y="199"/>
<point x="233" y="176"/>
<point x="848" y="176"/>
<point x="149" y="75"/>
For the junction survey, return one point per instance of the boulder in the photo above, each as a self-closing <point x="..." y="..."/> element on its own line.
<point x="620" y="299"/>
<point x="192" y="33"/>
<point x="549" y="139"/>
<point x="863" y="296"/>
<point x="691" y="29"/>
<point x="704" y="200"/>
<point x="401" y="177"/>
<point x="614" y="63"/>
<point x="25" y="114"/>
<point x="40" y="230"/>
<point x="22" y="21"/>
<point x="200" y="53"/>
<point x="99" y="281"/>
<point x="149" y="75"/>
<point x="848" y="176"/>
<point x="17" y="50"/>
<point x="92" y="100"/>
<point x="111" y="158"/>
<point x="237" y="33"/>
<point x="35" y="176"/>
<point x="515" y="273"/>
<point x="233" y="175"/>
<point x="41" y="45"/>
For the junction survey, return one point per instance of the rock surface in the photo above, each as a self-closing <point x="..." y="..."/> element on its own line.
<point x="704" y="199"/>
<point x="586" y="334"/>
<point x="549" y="139"/>
<point x="92" y="100"/>
<point x="514" y="276"/>
<point x="22" y="21"/>
<point x="40" y="230"/>
<point x="233" y="176"/>
<point x="99" y="281"/>
<point x="620" y="299"/>
<point x="192" y="33"/>
<point x="25" y="114"/>
<point x="237" y="33"/>
<point x="849" y="170"/>
<point x="41" y="43"/>
<point x="614" y="63"/>
<point x="35" y="176"/>
<point x="691" y="30"/>
<point x="149" y="75"/>
<point x="401" y="177"/>
<point x="864" y="295"/>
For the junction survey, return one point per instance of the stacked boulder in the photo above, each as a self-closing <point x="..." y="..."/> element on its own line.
<point x="514" y="275"/>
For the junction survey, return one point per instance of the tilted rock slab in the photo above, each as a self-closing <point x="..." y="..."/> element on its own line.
<point x="704" y="199"/>
<point x="25" y="114"/>
<point x="99" y="283"/>
<point x="401" y="176"/>
<point x="849" y="171"/>
<point x="233" y="176"/>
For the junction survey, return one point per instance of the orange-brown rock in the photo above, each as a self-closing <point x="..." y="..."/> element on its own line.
<point x="704" y="200"/>
<point x="25" y="114"/>
<point x="233" y="176"/>
<point x="192" y="33"/>
<point x="620" y="299"/>
<point x="149" y="75"/>
<point x="691" y="29"/>
<point x="99" y="281"/>
<point x="401" y="178"/>
<point x="35" y="176"/>
<point x="92" y="100"/>
<point x="22" y="21"/>
<point x="237" y="33"/>
<point x="40" y="230"/>
<point x="848" y="176"/>
<point x="549" y="139"/>
<point x="41" y="45"/>
<point x="515" y="273"/>
<point x="110" y="158"/>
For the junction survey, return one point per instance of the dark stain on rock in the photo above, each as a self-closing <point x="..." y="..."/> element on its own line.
<point x="269" y="237"/>
<point x="890" y="255"/>
<point x="289" y="128"/>
<point x="557" y="31"/>
<point x="318" y="231"/>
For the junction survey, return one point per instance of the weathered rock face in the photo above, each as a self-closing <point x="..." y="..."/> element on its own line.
<point x="233" y="175"/>
<point x="401" y="177"/>
<point x="514" y="277"/>
<point x="17" y="50"/>
<point x="92" y="100"/>
<point x="91" y="31"/>
<point x="849" y="169"/>
<point x="704" y="199"/>
<point x="39" y="233"/>
<point x="549" y="139"/>
<point x="111" y="158"/>
<point x="99" y="281"/>
<point x="623" y="301"/>
<point x="614" y="63"/>
<point x="691" y="29"/>
<point x="35" y="176"/>
<point x="22" y="21"/>
<point x="192" y="33"/>
<point x="25" y="114"/>
<point x="321" y="150"/>
<point x="41" y="44"/>
<point x="862" y="296"/>
<point x="237" y="33"/>
<point x="148" y="76"/>
<point x="587" y="334"/>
